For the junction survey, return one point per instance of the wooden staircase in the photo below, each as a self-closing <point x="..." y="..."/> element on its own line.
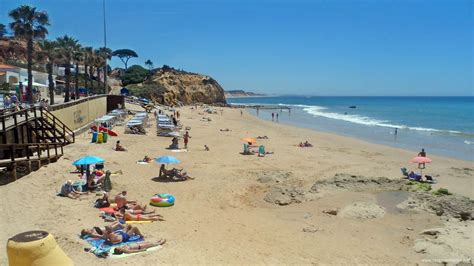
<point x="30" y="138"/>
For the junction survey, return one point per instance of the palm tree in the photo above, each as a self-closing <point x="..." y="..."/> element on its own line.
<point x="67" y="45"/>
<point x="105" y="53"/>
<point x="77" y="58"/>
<point x="50" y="55"/>
<point x="98" y="63"/>
<point x="30" y="25"/>
<point x="87" y="57"/>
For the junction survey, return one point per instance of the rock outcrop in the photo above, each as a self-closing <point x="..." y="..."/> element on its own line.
<point x="173" y="87"/>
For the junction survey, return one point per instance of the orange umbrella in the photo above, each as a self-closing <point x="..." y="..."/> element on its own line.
<point x="251" y="140"/>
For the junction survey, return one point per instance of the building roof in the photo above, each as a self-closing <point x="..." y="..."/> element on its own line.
<point x="7" y="66"/>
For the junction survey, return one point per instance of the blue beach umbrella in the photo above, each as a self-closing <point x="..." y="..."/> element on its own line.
<point x="86" y="160"/>
<point x="167" y="160"/>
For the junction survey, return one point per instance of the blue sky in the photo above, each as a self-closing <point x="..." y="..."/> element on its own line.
<point x="320" y="47"/>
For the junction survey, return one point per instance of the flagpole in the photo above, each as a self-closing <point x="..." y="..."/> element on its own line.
<point x="105" y="47"/>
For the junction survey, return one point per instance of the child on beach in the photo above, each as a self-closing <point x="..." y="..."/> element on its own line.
<point x="206" y="148"/>
<point x="119" y="147"/>
<point x="186" y="139"/>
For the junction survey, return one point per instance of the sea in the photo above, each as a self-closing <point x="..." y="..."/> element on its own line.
<point x="441" y="125"/>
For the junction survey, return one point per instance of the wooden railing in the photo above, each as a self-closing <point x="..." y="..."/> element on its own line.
<point x="30" y="152"/>
<point x="13" y="118"/>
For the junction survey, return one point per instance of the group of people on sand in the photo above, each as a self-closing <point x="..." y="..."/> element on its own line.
<point x="305" y="144"/>
<point x="173" y="174"/>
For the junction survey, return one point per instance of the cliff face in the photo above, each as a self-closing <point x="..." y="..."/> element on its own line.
<point x="175" y="86"/>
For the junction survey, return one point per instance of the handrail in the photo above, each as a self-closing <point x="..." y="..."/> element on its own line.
<point x="64" y="126"/>
<point x="32" y="144"/>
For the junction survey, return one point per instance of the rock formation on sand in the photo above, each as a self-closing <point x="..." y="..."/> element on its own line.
<point x="169" y="86"/>
<point x="362" y="210"/>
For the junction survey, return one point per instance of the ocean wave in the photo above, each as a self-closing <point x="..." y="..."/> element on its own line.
<point x="368" y="121"/>
<point x="469" y="142"/>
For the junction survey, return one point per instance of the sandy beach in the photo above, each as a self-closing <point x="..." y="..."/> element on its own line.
<point x="222" y="217"/>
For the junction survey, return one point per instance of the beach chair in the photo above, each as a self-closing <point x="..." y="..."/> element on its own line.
<point x="261" y="151"/>
<point x="404" y="171"/>
<point x="247" y="149"/>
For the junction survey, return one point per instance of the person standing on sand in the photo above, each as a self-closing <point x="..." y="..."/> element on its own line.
<point x="186" y="139"/>
<point x="422" y="153"/>
<point x="277" y="117"/>
<point x="273" y="116"/>
<point x="241" y="112"/>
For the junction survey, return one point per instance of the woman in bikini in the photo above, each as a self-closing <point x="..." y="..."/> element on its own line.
<point x="123" y="214"/>
<point x="138" y="247"/>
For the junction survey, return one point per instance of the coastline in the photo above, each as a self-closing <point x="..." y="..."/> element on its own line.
<point x="329" y="114"/>
<point x="221" y="217"/>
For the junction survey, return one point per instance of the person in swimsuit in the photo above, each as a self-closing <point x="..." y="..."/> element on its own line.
<point x="123" y="214"/>
<point x="138" y="247"/>
<point x="120" y="236"/>
<point x="121" y="201"/>
<point x="99" y="232"/>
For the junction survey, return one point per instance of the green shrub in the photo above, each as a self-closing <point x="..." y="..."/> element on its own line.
<point x="134" y="74"/>
<point x="442" y="191"/>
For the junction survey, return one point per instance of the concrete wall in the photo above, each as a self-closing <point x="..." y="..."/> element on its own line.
<point x="82" y="113"/>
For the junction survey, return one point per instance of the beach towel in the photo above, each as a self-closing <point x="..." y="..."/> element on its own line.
<point x="100" y="246"/>
<point x="141" y="162"/>
<point x="180" y="150"/>
<point x="138" y="222"/>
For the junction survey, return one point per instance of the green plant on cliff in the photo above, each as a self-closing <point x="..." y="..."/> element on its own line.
<point x="134" y="74"/>
<point x="146" y="90"/>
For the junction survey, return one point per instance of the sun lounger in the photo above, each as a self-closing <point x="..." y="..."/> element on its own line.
<point x="261" y="151"/>
<point x="404" y="171"/>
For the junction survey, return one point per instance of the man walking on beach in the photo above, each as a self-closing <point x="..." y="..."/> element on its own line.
<point x="277" y="117"/>
<point x="273" y="116"/>
<point x="186" y="139"/>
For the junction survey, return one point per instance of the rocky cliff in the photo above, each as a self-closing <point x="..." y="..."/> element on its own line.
<point x="172" y="87"/>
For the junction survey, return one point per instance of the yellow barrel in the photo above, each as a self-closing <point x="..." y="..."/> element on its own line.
<point x="35" y="248"/>
<point x="100" y="138"/>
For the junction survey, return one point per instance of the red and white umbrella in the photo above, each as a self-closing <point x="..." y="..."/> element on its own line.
<point x="421" y="160"/>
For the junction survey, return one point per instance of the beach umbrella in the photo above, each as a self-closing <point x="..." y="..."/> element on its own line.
<point x="86" y="160"/>
<point x="421" y="161"/>
<point x="251" y="140"/>
<point x="167" y="160"/>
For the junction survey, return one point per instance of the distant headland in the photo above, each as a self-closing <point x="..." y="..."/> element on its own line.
<point x="241" y="93"/>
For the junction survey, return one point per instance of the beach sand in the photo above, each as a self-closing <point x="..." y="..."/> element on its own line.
<point x="221" y="216"/>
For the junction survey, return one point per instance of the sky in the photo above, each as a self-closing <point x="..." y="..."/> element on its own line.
<point x="298" y="47"/>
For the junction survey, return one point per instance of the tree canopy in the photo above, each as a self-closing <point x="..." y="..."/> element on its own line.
<point x="29" y="23"/>
<point x="134" y="74"/>
<point x="124" y="55"/>
<point x="149" y="64"/>
<point x="3" y="30"/>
